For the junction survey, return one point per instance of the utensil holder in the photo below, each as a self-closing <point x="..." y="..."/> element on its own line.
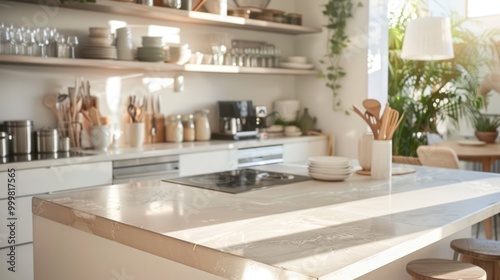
<point x="381" y="162"/>
<point x="136" y="134"/>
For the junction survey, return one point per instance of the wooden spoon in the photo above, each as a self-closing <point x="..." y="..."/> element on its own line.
<point x="373" y="127"/>
<point x="372" y="106"/>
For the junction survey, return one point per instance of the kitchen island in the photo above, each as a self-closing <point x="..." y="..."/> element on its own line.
<point x="307" y="230"/>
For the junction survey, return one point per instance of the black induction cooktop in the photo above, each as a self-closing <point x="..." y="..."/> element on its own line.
<point x="238" y="181"/>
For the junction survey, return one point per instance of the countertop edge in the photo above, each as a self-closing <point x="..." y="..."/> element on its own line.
<point x="158" y="244"/>
<point x="159" y="149"/>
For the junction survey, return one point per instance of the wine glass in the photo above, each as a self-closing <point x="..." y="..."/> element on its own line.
<point x="16" y="39"/>
<point x="72" y="42"/>
<point x="4" y="39"/>
<point x="29" y="41"/>
<point x="42" y="40"/>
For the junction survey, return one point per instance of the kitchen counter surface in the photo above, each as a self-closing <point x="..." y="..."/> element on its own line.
<point x="157" y="149"/>
<point x="307" y="230"/>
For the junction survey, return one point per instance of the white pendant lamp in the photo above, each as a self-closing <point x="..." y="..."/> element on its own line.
<point x="428" y="38"/>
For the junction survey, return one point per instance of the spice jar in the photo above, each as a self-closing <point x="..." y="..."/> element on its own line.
<point x="174" y="131"/>
<point x="188" y="127"/>
<point x="202" y="126"/>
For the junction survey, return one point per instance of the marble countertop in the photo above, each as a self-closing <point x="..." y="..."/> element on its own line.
<point x="157" y="149"/>
<point x="307" y="230"/>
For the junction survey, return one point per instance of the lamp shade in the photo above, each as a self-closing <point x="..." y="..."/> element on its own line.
<point x="428" y="38"/>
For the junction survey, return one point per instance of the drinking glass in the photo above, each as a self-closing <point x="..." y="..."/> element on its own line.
<point x="42" y="40"/>
<point x="5" y="45"/>
<point x="16" y="39"/>
<point x="52" y="45"/>
<point x="62" y="47"/>
<point x="28" y="41"/>
<point x="72" y="42"/>
<point x="220" y="43"/>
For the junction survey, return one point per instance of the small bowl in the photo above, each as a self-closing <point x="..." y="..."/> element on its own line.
<point x="100" y="41"/>
<point x="101" y="32"/>
<point x="297" y="59"/>
<point x="151" y="41"/>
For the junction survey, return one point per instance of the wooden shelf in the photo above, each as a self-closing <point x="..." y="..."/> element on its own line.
<point x="167" y="14"/>
<point x="140" y="65"/>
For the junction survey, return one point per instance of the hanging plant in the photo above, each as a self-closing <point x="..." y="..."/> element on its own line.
<point x="338" y="13"/>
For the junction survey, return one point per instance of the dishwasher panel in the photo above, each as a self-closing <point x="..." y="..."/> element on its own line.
<point x="140" y="169"/>
<point x="260" y="156"/>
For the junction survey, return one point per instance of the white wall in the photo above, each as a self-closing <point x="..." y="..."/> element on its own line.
<point x="22" y="88"/>
<point x="367" y="31"/>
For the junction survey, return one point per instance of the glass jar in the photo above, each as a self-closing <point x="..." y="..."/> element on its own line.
<point x="174" y="131"/>
<point x="188" y="126"/>
<point x="293" y="18"/>
<point x="202" y="126"/>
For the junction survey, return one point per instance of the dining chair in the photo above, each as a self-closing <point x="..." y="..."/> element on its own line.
<point x="438" y="156"/>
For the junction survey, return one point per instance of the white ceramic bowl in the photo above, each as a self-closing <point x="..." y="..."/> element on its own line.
<point x="100" y="32"/>
<point x="100" y="41"/>
<point x="297" y="59"/>
<point x="151" y="41"/>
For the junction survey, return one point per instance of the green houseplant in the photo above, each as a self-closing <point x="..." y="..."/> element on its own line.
<point x="433" y="93"/>
<point x="337" y="12"/>
<point x="486" y="127"/>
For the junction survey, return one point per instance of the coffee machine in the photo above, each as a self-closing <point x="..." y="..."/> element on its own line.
<point x="236" y="120"/>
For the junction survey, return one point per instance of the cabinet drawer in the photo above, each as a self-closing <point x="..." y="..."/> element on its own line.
<point x="58" y="178"/>
<point x="199" y="163"/>
<point x="23" y="224"/>
<point x="295" y="152"/>
<point x="24" y="263"/>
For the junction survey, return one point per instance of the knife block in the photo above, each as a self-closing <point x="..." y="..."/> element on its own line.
<point x="160" y="128"/>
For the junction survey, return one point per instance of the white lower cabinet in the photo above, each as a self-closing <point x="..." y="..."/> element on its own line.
<point x="23" y="185"/>
<point x="208" y="162"/>
<point x="17" y="264"/>
<point x="296" y="152"/>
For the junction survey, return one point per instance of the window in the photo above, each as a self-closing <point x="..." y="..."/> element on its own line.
<point x="479" y="8"/>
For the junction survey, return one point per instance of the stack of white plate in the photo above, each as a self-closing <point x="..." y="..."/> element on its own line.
<point x="100" y="44"/>
<point x="151" y="50"/>
<point x="330" y="168"/>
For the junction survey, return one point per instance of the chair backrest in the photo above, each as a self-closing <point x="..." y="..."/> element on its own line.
<point x="438" y="156"/>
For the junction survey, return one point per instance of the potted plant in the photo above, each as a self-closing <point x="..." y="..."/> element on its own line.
<point x="433" y="93"/>
<point x="486" y="127"/>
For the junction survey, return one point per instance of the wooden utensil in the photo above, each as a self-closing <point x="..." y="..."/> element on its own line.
<point x="95" y="116"/>
<point x="373" y="106"/>
<point x="374" y="128"/>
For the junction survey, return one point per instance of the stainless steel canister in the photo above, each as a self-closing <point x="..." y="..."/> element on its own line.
<point x="21" y="136"/>
<point x="47" y="141"/>
<point x="4" y="144"/>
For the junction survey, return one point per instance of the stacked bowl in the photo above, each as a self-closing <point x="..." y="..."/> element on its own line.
<point x="151" y="50"/>
<point x="179" y="54"/>
<point x="100" y="44"/>
<point x="330" y="168"/>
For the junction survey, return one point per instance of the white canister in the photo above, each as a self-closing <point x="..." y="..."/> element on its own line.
<point x="365" y="143"/>
<point x="216" y="7"/>
<point x="381" y="168"/>
<point x="124" y="44"/>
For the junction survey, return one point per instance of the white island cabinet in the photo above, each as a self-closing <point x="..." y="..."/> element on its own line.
<point x="19" y="186"/>
<point x="356" y="229"/>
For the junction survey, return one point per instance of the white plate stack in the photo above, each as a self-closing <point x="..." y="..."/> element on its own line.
<point x="100" y="44"/>
<point x="330" y="168"/>
<point x="151" y="50"/>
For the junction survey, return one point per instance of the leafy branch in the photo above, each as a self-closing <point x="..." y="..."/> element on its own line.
<point x="338" y="12"/>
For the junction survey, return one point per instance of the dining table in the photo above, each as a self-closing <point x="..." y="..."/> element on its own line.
<point x="481" y="152"/>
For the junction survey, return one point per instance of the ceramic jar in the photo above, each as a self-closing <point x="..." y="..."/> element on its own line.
<point x="365" y="143"/>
